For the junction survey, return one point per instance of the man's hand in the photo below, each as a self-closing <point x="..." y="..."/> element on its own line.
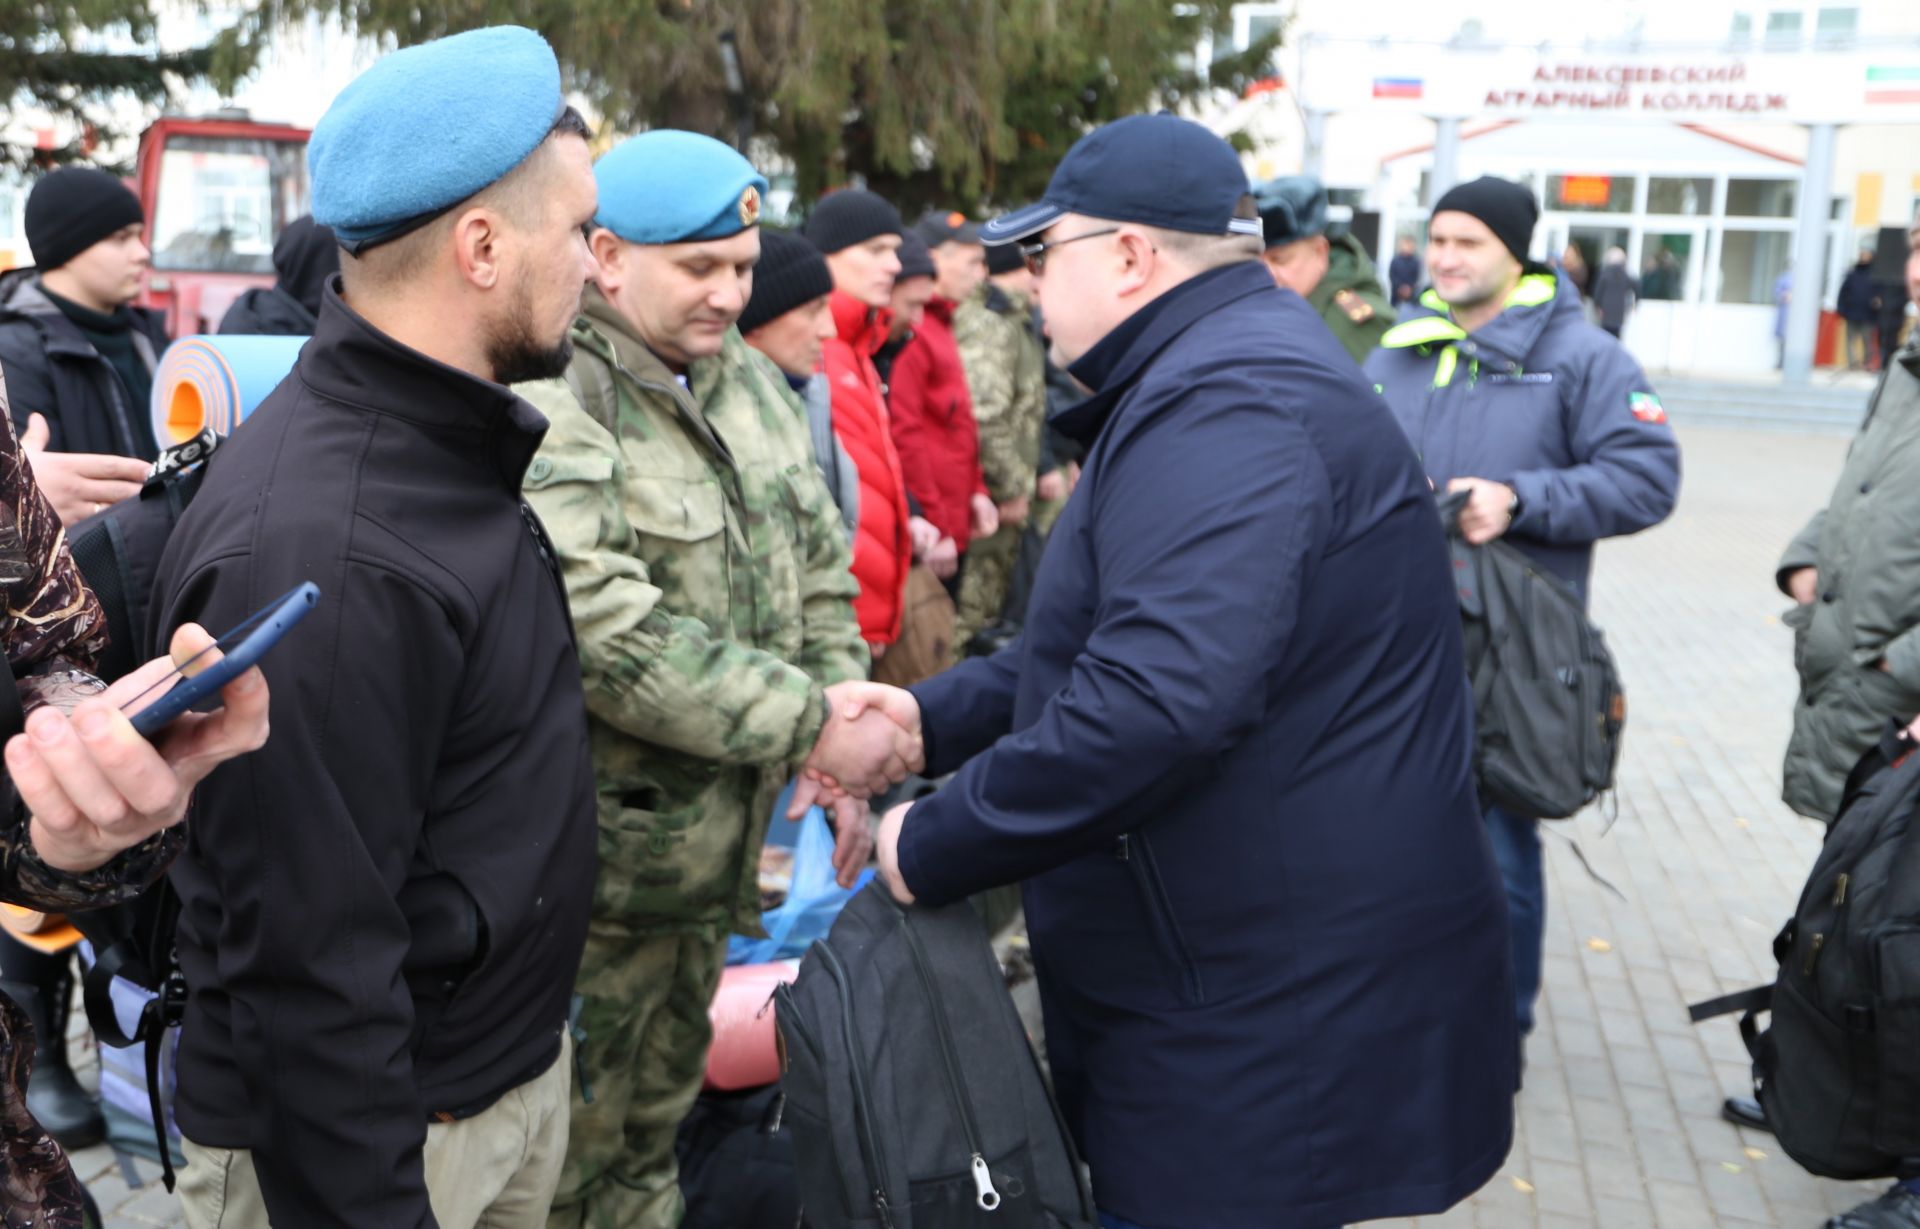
<point x="1051" y="486"/>
<point x="924" y="535"/>
<point x="945" y="559"/>
<point x="1489" y="510"/>
<point x="986" y="517"/>
<point x="94" y="787"/>
<point x="852" y="839"/>
<point x="79" y="484"/>
<point x="1014" y="511"/>
<point x="871" y="740"/>
<point x="888" y="847"/>
<point x="1803" y="585"/>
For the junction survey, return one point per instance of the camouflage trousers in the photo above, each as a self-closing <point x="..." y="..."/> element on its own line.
<point x="989" y="572"/>
<point x="642" y="1056"/>
<point x="983" y="583"/>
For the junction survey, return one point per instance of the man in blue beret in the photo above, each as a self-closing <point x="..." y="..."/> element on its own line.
<point x="381" y="918"/>
<point x="708" y="573"/>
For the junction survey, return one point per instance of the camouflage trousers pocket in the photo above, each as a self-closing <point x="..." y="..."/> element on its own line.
<point x="661" y="872"/>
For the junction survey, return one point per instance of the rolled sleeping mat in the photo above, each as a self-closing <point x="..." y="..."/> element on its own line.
<point x="216" y="381"/>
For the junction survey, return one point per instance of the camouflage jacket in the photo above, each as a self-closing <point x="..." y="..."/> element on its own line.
<point x="708" y="572"/>
<point x="53" y="631"/>
<point x="1007" y="375"/>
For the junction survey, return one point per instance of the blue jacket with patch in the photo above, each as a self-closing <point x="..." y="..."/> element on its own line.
<point x="1542" y="401"/>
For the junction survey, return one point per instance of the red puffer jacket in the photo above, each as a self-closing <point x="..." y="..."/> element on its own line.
<point x="882" y="546"/>
<point x="933" y="426"/>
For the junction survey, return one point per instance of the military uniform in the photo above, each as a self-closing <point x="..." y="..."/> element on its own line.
<point x="1007" y="375"/>
<point x="707" y="569"/>
<point x="1350" y="300"/>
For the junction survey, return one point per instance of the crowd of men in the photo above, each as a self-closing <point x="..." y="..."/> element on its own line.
<point x="628" y="512"/>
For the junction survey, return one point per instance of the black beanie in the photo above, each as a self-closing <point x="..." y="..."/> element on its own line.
<point x="1508" y="209"/>
<point x="72" y="209"/>
<point x="916" y="259"/>
<point x="1005" y="258"/>
<point x="850" y="216"/>
<point x="791" y="274"/>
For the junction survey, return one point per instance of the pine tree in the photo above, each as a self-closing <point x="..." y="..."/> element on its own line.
<point x="49" y="61"/>
<point x="966" y="103"/>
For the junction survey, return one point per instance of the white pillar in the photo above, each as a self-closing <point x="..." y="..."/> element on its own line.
<point x="1313" y="157"/>
<point x="1809" y="255"/>
<point x="1446" y="157"/>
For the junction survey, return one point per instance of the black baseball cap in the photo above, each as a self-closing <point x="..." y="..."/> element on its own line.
<point x="1157" y="170"/>
<point x="938" y="226"/>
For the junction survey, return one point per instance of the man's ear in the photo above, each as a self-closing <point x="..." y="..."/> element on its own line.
<point x="1139" y="260"/>
<point x="609" y="256"/>
<point x="478" y="247"/>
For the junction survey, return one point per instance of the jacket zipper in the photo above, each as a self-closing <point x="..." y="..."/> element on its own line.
<point x="869" y="1139"/>
<point x="1160" y="910"/>
<point x="984" y="1196"/>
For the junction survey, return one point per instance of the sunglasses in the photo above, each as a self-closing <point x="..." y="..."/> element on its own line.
<point x="1035" y="254"/>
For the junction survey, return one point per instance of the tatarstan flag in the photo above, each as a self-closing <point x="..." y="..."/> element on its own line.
<point x="1894" y="83"/>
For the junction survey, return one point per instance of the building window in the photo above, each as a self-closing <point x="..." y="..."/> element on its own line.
<point x="1750" y="261"/>
<point x="1783" y="27"/>
<point x="1742" y="32"/>
<point x="1687" y="197"/>
<point x="1836" y="25"/>
<point x="1253" y="22"/>
<point x="1761" y="198"/>
<point x="1590" y="193"/>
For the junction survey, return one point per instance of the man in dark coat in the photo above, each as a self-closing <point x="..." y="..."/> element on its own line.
<point x="1403" y="271"/>
<point x="1508" y="393"/>
<point x="304" y="257"/>
<point x="1859" y="306"/>
<point x="1230" y="755"/>
<point x="78" y="356"/>
<point x="380" y="919"/>
<point x="1614" y="292"/>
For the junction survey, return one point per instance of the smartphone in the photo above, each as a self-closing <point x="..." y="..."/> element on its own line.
<point x="262" y="630"/>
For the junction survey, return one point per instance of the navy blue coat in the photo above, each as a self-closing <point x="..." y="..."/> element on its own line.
<point x="1230" y="758"/>
<point x="1541" y="400"/>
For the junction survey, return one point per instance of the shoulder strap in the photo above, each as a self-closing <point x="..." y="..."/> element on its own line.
<point x="591" y="379"/>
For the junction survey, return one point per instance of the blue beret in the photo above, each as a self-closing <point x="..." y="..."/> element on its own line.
<point x="668" y="186"/>
<point x="429" y="126"/>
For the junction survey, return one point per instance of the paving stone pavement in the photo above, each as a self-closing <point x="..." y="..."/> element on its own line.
<point x="1618" y="1124"/>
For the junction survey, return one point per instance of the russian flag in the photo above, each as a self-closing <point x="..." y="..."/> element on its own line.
<point x="1397" y="87"/>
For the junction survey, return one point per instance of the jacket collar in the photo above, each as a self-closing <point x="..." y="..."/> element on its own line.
<point x="621" y="346"/>
<point x="941" y="309"/>
<point x="862" y="327"/>
<point x="1119" y="359"/>
<point x="27" y="298"/>
<point x="352" y="362"/>
<point x="1540" y="300"/>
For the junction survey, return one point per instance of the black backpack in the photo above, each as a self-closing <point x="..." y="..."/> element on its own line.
<point x="1549" y="710"/>
<point x="915" y="1099"/>
<point x="1838" y="1073"/>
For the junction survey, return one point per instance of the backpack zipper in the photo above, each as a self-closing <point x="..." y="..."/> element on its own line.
<point x="984" y="1196"/>
<point x="864" y="1132"/>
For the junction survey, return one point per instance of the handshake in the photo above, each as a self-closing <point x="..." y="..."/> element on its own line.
<point x="871" y="740"/>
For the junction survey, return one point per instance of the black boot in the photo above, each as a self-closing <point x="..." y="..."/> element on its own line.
<point x="43" y="986"/>
<point x="1899" y="1208"/>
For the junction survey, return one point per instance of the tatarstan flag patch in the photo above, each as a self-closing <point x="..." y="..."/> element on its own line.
<point x="1646" y="407"/>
